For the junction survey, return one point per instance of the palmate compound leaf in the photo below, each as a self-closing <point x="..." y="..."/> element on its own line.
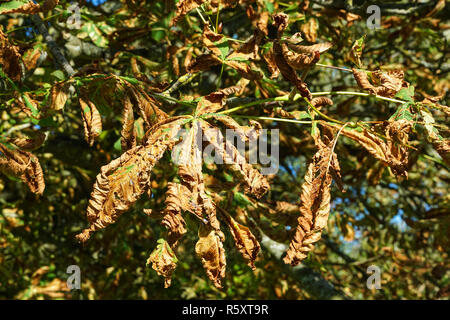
<point x="184" y="6"/>
<point x="315" y="202"/>
<point x="111" y="88"/>
<point x="121" y="182"/>
<point x="191" y="195"/>
<point x="219" y="47"/>
<point x="124" y="180"/>
<point x="23" y="165"/>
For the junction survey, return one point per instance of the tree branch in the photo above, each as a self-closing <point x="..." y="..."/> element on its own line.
<point x="52" y="45"/>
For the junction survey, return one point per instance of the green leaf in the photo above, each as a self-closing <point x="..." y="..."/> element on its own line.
<point x="5" y="6"/>
<point x="241" y="199"/>
<point x="58" y="74"/>
<point x="118" y="145"/>
<point x="403" y="113"/>
<point x="406" y="94"/>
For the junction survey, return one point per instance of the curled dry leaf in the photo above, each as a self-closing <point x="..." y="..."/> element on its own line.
<point x="389" y="153"/>
<point x="386" y="84"/>
<point x="245" y="241"/>
<point x="121" y="182"/>
<point x="183" y="7"/>
<point x="178" y="198"/>
<point x="271" y="64"/>
<point x="443" y="148"/>
<point x="92" y="120"/>
<point x="128" y="132"/>
<point x="309" y="29"/>
<point x="299" y="60"/>
<point x="320" y="47"/>
<point x="10" y="58"/>
<point x="58" y="96"/>
<point x="29" y="144"/>
<point x="23" y="165"/>
<point x="315" y="203"/>
<point x="33" y="8"/>
<point x="163" y="261"/>
<point x="281" y="22"/>
<point x="259" y="18"/>
<point x="244" y="132"/>
<point x="30" y="58"/>
<point x="363" y="81"/>
<point x="319" y="102"/>
<point x="148" y="107"/>
<point x="210" y="249"/>
<point x="214" y="101"/>
<point x="398" y="134"/>
<point x="203" y="62"/>
<point x="256" y="183"/>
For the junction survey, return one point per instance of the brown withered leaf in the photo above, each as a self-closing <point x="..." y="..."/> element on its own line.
<point x="92" y="120"/>
<point x="128" y="132"/>
<point x="286" y="207"/>
<point x="210" y="249"/>
<point x="259" y="18"/>
<point x="214" y="101"/>
<point x="244" y="132"/>
<point x="319" y="102"/>
<point x="183" y="7"/>
<point x="190" y="172"/>
<point x="281" y="22"/>
<point x="244" y="69"/>
<point x="236" y="59"/>
<point x="29" y="144"/>
<point x="121" y="182"/>
<point x="299" y="60"/>
<point x="385" y="84"/>
<point x="10" y="58"/>
<point x="33" y="8"/>
<point x="58" y="95"/>
<point x="163" y="261"/>
<point x="443" y="148"/>
<point x="387" y="153"/>
<point x="178" y="198"/>
<point x="203" y="62"/>
<point x="249" y="49"/>
<point x="398" y="134"/>
<point x="315" y="203"/>
<point x="320" y="47"/>
<point x="271" y="64"/>
<point x="148" y="106"/>
<point x="256" y="183"/>
<point x="309" y="30"/>
<point x="30" y="58"/>
<point x="362" y="79"/>
<point x="245" y="241"/>
<point x="23" y="165"/>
